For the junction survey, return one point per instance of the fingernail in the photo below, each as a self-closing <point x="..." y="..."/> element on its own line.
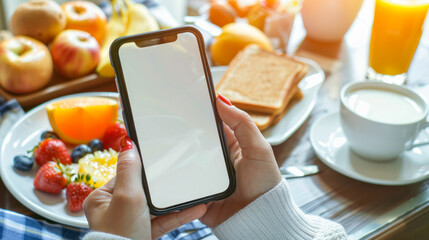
<point x="126" y="144"/>
<point x="224" y="99"/>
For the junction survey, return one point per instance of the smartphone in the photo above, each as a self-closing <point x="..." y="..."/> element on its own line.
<point x="169" y="109"/>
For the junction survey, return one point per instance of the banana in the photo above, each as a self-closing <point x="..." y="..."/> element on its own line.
<point x="135" y="18"/>
<point x="116" y="27"/>
<point x="139" y="19"/>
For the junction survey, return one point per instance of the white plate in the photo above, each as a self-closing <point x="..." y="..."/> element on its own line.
<point x="299" y="112"/>
<point x="331" y="147"/>
<point x="23" y="136"/>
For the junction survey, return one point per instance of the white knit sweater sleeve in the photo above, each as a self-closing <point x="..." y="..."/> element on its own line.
<point x="102" y="236"/>
<point x="274" y="215"/>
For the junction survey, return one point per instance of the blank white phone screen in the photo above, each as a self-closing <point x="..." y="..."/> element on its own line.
<point x="174" y="121"/>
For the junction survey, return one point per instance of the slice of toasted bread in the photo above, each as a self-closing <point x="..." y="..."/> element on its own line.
<point x="261" y="81"/>
<point x="297" y="97"/>
<point x="263" y="120"/>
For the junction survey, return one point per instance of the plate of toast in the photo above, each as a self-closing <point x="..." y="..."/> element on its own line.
<point x="277" y="91"/>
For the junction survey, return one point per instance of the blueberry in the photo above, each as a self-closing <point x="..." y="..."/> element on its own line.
<point x="23" y="162"/>
<point x="79" y="152"/>
<point x="96" y="145"/>
<point x="48" y="134"/>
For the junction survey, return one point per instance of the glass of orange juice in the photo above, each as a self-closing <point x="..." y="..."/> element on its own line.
<point x="396" y="32"/>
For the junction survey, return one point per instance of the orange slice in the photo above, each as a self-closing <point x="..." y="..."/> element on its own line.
<point x="81" y="119"/>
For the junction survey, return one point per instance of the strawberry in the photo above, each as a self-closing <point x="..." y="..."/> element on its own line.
<point x="50" y="178"/>
<point x="76" y="193"/>
<point x="113" y="135"/>
<point x="51" y="150"/>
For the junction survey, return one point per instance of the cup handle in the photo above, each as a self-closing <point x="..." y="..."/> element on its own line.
<point x="418" y="144"/>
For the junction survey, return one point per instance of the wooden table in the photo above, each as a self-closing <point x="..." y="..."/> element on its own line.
<point x="365" y="210"/>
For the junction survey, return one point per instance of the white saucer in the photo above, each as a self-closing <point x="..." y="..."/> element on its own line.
<point x="330" y="145"/>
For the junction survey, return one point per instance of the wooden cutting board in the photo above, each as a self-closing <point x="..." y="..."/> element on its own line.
<point x="57" y="87"/>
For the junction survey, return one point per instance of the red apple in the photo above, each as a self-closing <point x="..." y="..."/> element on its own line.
<point x="25" y="64"/>
<point x="75" y="53"/>
<point x="39" y="19"/>
<point x="85" y="16"/>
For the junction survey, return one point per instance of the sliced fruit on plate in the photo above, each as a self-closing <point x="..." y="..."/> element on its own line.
<point x="113" y="135"/>
<point x="100" y="166"/>
<point x="76" y="193"/>
<point x="50" y="178"/>
<point x="96" y="145"/>
<point x="81" y="119"/>
<point x="23" y="162"/>
<point x="51" y="150"/>
<point x="79" y="152"/>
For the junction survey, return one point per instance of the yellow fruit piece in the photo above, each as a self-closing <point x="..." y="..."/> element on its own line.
<point x="133" y="19"/>
<point x="257" y="16"/>
<point x="234" y="38"/>
<point x="270" y="3"/>
<point x="116" y="27"/>
<point x="242" y="6"/>
<point x="81" y="119"/>
<point x="101" y="166"/>
<point x="140" y="20"/>
<point x="221" y="13"/>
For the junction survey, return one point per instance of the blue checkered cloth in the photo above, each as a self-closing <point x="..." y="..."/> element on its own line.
<point x="17" y="226"/>
<point x="10" y="112"/>
<point x="191" y="231"/>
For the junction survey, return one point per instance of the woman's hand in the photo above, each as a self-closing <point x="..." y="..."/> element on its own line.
<point x="253" y="159"/>
<point x="120" y="207"/>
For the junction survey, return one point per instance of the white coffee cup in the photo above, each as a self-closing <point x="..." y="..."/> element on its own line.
<point x="381" y="120"/>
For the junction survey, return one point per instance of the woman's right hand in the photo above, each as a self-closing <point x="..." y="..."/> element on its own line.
<point x="256" y="168"/>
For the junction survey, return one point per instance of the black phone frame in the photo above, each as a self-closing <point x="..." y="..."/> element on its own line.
<point x="129" y="121"/>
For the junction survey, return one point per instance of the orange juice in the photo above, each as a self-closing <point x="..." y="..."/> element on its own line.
<point x="396" y="32"/>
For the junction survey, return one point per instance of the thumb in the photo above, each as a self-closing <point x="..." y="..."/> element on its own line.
<point x="245" y="130"/>
<point x="128" y="169"/>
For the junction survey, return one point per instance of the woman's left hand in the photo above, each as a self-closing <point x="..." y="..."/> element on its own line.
<point x="120" y="207"/>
